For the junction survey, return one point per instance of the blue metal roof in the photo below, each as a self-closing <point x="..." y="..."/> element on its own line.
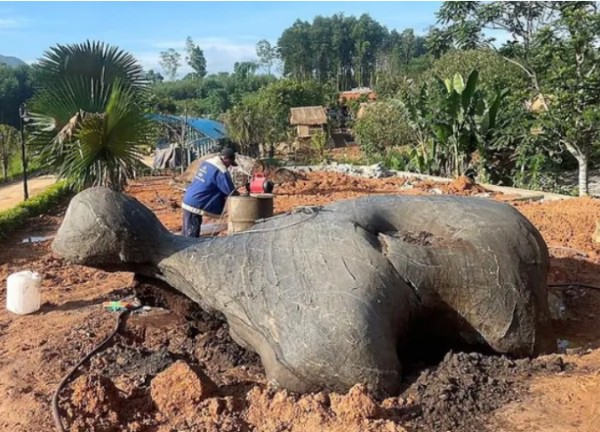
<point x="209" y="128"/>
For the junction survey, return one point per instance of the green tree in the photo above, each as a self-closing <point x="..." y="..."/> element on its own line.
<point x="342" y="46"/>
<point x="346" y="51"/>
<point x="556" y="45"/>
<point x="572" y="83"/>
<point x="16" y="87"/>
<point x="8" y="146"/>
<point x="267" y="54"/>
<point x="318" y="143"/>
<point x="88" y="118"/>
<point x="368" y="37"/>
<point x="170" y="61"/>
<point x="244" y="123"/>
<point x="296" y="51"/>
<point x="195" y="58"/>
<point x="154" y="77"/>
<point x="243" y="70"/>
<point x="438" y="42"/>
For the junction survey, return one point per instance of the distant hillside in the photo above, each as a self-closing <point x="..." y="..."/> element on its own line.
<point x="11" y="61"/>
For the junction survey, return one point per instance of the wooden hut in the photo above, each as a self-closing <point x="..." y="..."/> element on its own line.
<point x="308" y="120"/>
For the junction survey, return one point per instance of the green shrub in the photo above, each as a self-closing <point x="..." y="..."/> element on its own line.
<point x="317" y="143"/>
<point x="397" y="160"/>
<point x="383" y="126"/>
<point x="15" y="217"/>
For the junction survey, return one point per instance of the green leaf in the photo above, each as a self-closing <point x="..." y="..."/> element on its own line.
<point x="458" y="83"/>
<point x="470" y="88"/>
<point x="87" y="122"/>
<point x="448" y="84"/>
<point x="493" y="111"/>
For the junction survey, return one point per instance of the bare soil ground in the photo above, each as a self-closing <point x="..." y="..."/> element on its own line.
<point x="174" y="368"/>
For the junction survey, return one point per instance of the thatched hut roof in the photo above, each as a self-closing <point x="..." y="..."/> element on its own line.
<point x="310" y="116"/>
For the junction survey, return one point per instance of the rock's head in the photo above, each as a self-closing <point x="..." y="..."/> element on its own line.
<point x="103" y="228"/>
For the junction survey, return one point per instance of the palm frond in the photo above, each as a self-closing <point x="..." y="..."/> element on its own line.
<point x="93" y="60"/>
<point x="87" y="120"/>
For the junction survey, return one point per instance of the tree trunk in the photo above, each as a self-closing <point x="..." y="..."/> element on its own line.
<point x="5" y="170"/>
<point x="583" y="174"/>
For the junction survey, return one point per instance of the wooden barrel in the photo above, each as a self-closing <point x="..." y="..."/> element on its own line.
<point x="244" y="211"/>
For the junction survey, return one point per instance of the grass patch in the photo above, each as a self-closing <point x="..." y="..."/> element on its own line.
<point x="15" y="169"/>
<point x="15" y="217"/>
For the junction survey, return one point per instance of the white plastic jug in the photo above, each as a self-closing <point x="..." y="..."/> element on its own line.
<point x="23" y="292"/>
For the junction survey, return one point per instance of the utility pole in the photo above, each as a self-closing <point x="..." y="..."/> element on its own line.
<point x="23" y="117"/>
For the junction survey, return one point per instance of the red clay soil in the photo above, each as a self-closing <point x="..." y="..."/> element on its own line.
<point x="136" y="385"/>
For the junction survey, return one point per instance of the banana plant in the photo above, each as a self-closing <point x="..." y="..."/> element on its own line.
<point x="451" y="124"/>
<point x="464" y="120"/>
<point x="424" y="155"/>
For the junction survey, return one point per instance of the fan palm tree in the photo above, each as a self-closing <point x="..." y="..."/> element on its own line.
<point x="88" y="120"/>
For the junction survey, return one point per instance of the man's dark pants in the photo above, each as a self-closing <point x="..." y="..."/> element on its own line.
<point x="191" y="224"/>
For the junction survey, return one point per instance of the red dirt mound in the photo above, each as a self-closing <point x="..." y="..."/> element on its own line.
<point x="178" y="389"/>
<point x="95" y="403"/>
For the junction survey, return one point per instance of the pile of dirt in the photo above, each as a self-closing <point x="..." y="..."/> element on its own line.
<point x="462" y="184"/>
<point x="454" y="394"/>
<point x="178" y="389"/>
<point x="355" y="411"/>
<point x="95" y="404"/>
<point x="566" y="225"/>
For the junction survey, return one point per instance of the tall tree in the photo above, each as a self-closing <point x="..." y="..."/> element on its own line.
<point x="368" y="37"/>
<point x="321" y="35"/>
<point x="243" y="70"/>
<point x="267" y="54"/>
<point x="154" y="77"/>
<point x="344" y="49"/>
<point x="295" y="48"/>
<point x="170" y="61"/>
<point x="195" y="58"/>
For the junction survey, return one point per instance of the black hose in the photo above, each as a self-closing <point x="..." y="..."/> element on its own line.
<point x="67" y="377"/>
<point x="574" y="284"/>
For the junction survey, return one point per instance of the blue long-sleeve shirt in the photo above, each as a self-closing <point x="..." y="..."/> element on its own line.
<point x="210" y="188"/>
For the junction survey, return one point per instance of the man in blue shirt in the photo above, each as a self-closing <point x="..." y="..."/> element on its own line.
<point x="208" y="192"/>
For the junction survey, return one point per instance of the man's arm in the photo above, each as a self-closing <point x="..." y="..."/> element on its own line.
<point x="225" y="183"/>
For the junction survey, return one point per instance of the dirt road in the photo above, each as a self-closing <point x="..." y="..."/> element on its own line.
<point x="12" y="193"/>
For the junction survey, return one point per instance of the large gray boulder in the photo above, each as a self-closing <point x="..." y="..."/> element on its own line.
<point x="327" y="297"/>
